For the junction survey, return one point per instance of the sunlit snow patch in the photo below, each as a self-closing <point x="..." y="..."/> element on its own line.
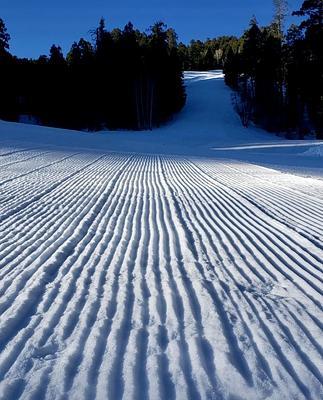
<point x="316" y="151"/>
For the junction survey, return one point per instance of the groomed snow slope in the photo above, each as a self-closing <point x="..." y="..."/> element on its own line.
<point x="129" y="272"/>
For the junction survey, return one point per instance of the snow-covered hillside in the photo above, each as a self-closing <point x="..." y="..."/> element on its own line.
<point x="184" y="263"/>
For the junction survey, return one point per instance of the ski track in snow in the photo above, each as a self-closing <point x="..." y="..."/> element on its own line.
<point x="156" y="277"/>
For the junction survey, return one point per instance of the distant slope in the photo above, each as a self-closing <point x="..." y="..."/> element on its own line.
<point x="207" y="126"/>
<point x="207" y="120"/>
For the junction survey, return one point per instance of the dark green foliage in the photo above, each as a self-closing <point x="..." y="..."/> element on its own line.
<point x="6" y="97"/>
<point x="280" y="77"/>
<point x="4" y="37"/>
<point x="4" y="43"/>
<point x="313" y="10"/>
<point x="56" y="56"/>
<point x="124" y="80"/>
<point x="208" y="55"/>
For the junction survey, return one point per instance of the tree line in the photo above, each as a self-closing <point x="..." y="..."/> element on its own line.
<point x="277" y="77"/>
<point x="122" y="79"/>
<point x="206" y="55"/>
<point x="134" y="80"/>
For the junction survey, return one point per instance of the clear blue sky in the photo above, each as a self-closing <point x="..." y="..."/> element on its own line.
<point x="36" y="24"/>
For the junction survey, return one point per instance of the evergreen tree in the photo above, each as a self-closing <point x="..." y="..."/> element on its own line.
<point x="311" y="86"/>
<point x="278" y="77"/>
<point x="74" y="56"/>
<point x="8" y="100"/>
<point x="4" y="37"/>
<point x="5" y="56"/>
<point x="171" y="38"/>
<point x="100" y="33"/>
<point x="207" y="55"/>
<point x="313" y="10"/>
<point x="56" y="55"/>
<point x="252" y="42"/>
<point x="126" y="79"/>
<point x="80" y="53"/>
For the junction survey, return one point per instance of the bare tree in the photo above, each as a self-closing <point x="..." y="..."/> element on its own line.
<point x="281" y="11"/>
<point x="243" y="107"/>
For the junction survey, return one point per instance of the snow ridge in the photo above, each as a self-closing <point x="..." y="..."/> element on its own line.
<point x="156" y="276"/>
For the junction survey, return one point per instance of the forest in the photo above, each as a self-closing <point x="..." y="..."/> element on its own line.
<point x="124" y="79"/>
<point x="278" y="77"/>
<point x="276" y="73"/>
<point x="127" y="79"/>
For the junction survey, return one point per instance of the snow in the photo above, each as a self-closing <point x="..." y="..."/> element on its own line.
<point x="180" y="263"/>
<point x="316" y="151"/>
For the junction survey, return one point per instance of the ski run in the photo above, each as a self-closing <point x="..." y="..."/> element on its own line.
<point x="184" y="263"/>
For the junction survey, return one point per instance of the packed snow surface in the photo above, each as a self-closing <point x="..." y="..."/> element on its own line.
<point x="314" y="151"/>
<point x="184" y="263"/>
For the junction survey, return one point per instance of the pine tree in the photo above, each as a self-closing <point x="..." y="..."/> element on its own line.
<point x="74" y="55"/>
<point x="81" y="53"/>
<point x="8" y="100"/>
<point x="313" y="10"/>
<point x="127" y="79"/>
<point x="4" y="38"/>
<point x="312" y="77"/>
<point x="99" y="34"/>
<point x="56" y="56"/>
<point x="171" y="38"/>
<point x="252" y="42"/>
